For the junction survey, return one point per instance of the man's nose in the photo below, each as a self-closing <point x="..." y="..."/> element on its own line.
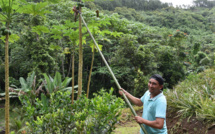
<point x="150" y="85"/>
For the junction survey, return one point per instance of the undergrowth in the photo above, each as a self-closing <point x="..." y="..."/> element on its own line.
<point x="195" y="96"/>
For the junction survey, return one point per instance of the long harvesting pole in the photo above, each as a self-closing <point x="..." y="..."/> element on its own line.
<point x="112" y="74"/>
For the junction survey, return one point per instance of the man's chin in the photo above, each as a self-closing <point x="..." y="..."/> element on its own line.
<point x="150" y="90"/>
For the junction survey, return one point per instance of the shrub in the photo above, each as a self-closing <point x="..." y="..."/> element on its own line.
<point x="195" y="96"/>
<point x="96" y="115"/>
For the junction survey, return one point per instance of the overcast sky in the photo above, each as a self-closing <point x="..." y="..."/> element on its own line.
<point x="178" y="2"/>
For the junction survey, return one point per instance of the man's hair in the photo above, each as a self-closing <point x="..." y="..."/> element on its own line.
<point x="158" y="78"/>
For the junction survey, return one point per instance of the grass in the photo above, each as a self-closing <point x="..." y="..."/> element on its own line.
<point x="129" y="128"/>
<point x="127" y="124"/>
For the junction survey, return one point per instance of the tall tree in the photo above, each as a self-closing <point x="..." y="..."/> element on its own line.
<point x="95" y="26"/>
<point x="73" y="36"/>
<point x="91" y="67"/>
<point x="80" y="65"/>
<point x="7" y="10"/>
<point x="7" y="103"/>
<point x="7" y="13"/>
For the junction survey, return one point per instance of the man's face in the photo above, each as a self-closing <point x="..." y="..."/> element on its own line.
<point x="154" y="86"/>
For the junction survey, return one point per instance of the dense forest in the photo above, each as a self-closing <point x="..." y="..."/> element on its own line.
<point x="137" y="37"/>
<point x="136" y="42"/>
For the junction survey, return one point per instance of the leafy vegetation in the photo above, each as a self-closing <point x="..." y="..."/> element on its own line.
<point x="138" y="38"/>
<point x="173" y="46"/>
<point x="195" y="96"/>
<point x="57" y="115"/>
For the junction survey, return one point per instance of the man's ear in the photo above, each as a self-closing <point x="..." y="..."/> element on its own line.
<point x="161" y="86"/>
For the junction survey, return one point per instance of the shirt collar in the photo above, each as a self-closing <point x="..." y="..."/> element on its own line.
<point x="156" y="97"/>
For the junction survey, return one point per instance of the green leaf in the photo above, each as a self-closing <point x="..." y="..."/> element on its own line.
<point x="30" y="80"/>
<point x="8" y="7"/>
<point x="106" y="39"/>
<point x="70" y="89"/>
<point x="103" y="32"/>
<point x="23" y="82"/>
<point x="13" y="38"/>
<point x="40" y="29"/>
<point x="45" y="101"/>
<point x="66" y="82"/>
<point x="57" y="79"/>
<point x="69" y="24"/>
<point x="57" y="31"/>
<point x="36" y="9"/>
<point x="92" y="46"/>
<point x="116" y="34"/>
<point x="48" y="84"/>
<point x="55" y="47"/>
<point x="10" y="93"/>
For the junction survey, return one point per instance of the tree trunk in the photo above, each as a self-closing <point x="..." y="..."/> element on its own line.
<point x="7" y="103"/>
<point x="62" y="59"/>
<point x="73" y="78"/>
<point x="70" y="64"/>
<point x="80" y="66"/>
<point x="91" y="68"/>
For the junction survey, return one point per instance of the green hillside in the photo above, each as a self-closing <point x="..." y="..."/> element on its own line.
<point x="138" y="38"/>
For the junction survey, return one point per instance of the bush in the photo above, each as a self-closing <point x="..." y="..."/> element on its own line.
<point x="195" y="96"/>
<point x="58" y="115"/>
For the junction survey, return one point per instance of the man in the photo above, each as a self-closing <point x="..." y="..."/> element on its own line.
<point x="154" y="106"/>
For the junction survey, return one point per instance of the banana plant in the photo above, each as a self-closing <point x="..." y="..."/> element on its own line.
<point x="56" y="84"/>
<point x="28" y="86"/>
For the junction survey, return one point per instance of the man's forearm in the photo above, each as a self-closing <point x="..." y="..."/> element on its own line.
<point x="158" y="123"/>
<point x="134" y="100"/>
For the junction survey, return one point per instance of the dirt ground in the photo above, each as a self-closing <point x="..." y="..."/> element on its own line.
<point x="179" y="125"/>
<point x="175" y="125"/>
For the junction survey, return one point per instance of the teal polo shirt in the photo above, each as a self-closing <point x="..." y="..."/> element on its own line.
<point x="154" y="108"/>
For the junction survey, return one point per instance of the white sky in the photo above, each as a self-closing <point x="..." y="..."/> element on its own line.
<point x="178" y="2"/>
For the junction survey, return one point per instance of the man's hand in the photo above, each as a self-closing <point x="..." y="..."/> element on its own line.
<point x="121" y="91"/>
<point x="139" y="119"/>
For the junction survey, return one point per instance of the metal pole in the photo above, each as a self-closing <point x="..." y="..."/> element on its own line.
<point x="117" y="83"/>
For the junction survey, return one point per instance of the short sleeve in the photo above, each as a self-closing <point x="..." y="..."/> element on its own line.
<point x="143" y="97"/>
<point x="161" y="106"/>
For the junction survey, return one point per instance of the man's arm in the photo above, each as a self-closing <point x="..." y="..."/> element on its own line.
<point x="158" y="123"/>
<point x="134" y="100"/>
